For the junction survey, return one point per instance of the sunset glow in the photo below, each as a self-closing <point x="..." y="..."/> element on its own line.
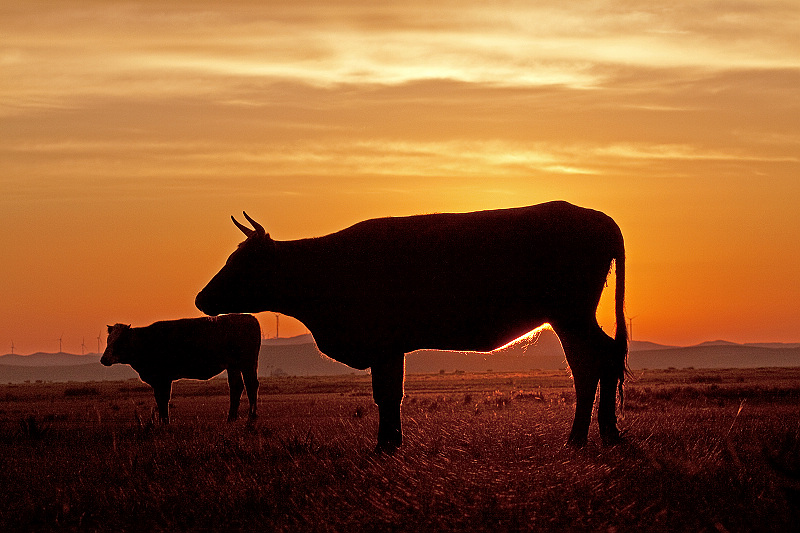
<point x="130" y="132"/>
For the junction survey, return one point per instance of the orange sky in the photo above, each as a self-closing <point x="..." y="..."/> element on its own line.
<point x="130" y="132"/>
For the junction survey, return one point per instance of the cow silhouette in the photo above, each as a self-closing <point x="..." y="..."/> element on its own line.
<point x="385" y="287"/>
<point x="195" y="348"/>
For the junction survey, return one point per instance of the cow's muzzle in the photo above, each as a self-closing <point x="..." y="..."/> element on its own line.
<point x="201" y="302"/>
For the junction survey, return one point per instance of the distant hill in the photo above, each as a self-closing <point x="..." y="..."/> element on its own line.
<point x="305" y="359"/>
<point x="773" y="344"/>
<point x="84" y="372"/>
<point x="727" y="355"/>
<point x="299" y="356"/>
<point x="639" y="346"/>
<point x="49" y="359"/>
<point x="543" y="352"/>
<point x="288" y="341"/>
<point x="714" y="343"/>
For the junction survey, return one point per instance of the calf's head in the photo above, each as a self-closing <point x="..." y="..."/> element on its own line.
<point x="117" y="345"/>
<point x="245" y="283"/>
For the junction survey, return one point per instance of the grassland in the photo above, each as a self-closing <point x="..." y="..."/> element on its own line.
<point x="707" y="451"/>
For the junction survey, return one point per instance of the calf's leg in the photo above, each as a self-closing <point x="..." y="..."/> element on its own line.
<point x="387" y="391"/>
<point x="251" y="384"/>
<point x="236" y="386"/>
<point x="162" y="391"/>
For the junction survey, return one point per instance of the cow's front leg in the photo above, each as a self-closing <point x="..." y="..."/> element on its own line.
<point x="585" y="376"/>
<point x="585" y="391"/>
<point x="162" y="390"/>
<point x="387" y="390"/>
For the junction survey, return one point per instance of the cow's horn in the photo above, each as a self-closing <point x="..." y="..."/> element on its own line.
<point x="247" y="231"/>
<point x="258" y="227"/>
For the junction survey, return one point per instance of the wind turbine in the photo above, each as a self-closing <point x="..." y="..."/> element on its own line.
<point x="98" y="341"/>
<point x="60" y="339"/>
<point x="83" y="345"/>
<point x="630" y="328"/>
<point x="12" y="346"/>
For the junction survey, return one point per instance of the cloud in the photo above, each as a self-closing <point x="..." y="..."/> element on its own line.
<point x="352" y="89"/>
<point x="69" y="53"/>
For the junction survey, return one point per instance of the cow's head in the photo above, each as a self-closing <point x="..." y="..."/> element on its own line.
<point x="245" y="284"/>
<point x="117" y="344"/>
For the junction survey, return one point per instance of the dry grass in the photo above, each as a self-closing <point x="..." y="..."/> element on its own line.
<point x="482" y="452"/>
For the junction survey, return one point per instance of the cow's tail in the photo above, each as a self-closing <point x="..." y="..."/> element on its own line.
<point x="621" y="336"/>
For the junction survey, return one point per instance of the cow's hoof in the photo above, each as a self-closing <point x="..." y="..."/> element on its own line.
<point x="613" y="438"/>
<point x="576" y="443"/>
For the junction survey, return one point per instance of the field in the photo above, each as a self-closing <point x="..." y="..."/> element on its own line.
<point x="706" y="451"/>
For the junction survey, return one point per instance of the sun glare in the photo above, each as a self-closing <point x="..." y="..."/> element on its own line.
<point x="529" y="338"/>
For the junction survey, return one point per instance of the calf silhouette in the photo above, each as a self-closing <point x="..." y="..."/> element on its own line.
<point x="471" y="281"/>
<point x="195" y="348"/>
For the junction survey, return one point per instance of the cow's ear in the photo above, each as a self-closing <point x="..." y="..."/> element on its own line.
<point x="268" y="244"/>
<point x="109" y="328"/>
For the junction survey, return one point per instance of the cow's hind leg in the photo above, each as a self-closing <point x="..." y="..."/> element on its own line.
<point x="610" y="374"/>
<point x="251" y="384"/>
<point x="592" y="358"/>
<point x="236" y="386"/>
<point x="387" y="390"/>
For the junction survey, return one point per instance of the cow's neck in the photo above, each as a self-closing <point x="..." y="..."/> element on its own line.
<point x="300" y="276"/>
